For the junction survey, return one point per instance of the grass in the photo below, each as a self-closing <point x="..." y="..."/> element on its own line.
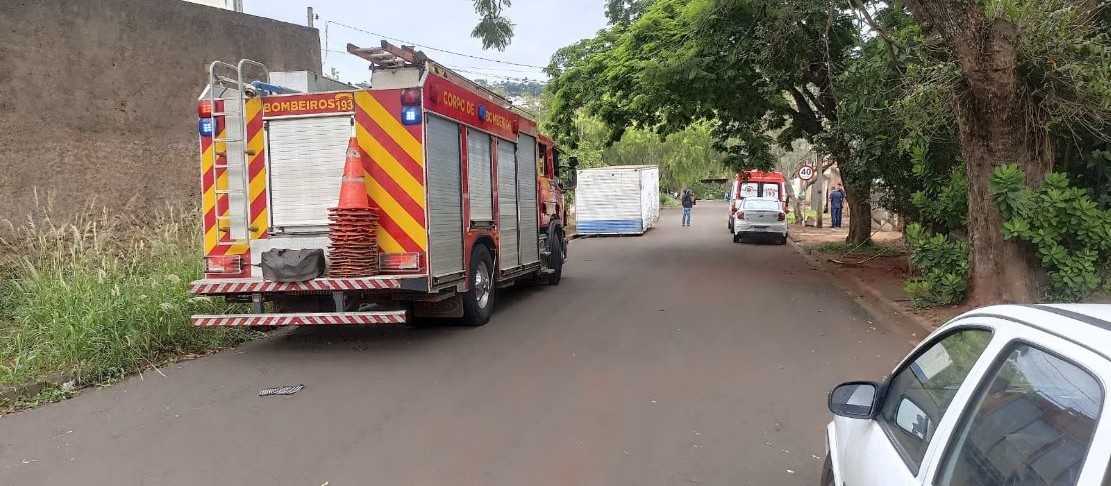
<point x="667" y="201"/>
<point x="101" y="296"/>
<point x="869" y="249"/>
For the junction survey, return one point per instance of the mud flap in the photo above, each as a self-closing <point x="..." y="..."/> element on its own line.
<point x="449" y="308"/>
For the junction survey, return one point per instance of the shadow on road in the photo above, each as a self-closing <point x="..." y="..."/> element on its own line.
<point x="388" y="337"/>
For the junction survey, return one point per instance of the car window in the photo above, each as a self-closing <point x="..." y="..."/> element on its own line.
<point x="761" y="205"/>
<point x="1031" y="425"/>
<point x="918" y="395"/>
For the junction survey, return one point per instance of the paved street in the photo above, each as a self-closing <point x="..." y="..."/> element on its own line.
<point x="676" y="358"/>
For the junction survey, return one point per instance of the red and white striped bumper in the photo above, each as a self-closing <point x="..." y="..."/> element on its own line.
<point x="305" y="319"/>
<point x="256" y="286"/>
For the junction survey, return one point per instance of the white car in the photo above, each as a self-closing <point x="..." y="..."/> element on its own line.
<point x="1004" y="395"/>
<point x="760" y="217"/>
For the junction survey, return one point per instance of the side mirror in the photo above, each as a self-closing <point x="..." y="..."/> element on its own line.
<point x="855" y="399"/>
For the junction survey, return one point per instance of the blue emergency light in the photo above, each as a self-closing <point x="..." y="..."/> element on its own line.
<point x="410" y="115"/>
<point x="205" y="127"/>
<point x="482" y="112"/>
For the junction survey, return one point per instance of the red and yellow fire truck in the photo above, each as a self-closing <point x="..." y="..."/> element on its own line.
<point x="465" y="189"/>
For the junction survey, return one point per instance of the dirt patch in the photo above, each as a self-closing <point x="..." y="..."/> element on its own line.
<point x="882" y="275"/>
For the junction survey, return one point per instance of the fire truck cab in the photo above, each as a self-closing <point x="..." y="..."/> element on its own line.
<point x="464" y="187"/>
<point x="755" y="183"/>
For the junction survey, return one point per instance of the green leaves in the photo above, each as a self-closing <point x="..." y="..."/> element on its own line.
<point x="943" y="265"/>
<point x="493" y="29"/>
<point x="1068" y="230"/>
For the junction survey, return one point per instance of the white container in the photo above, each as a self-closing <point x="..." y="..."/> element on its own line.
<point x="617" y="200"/>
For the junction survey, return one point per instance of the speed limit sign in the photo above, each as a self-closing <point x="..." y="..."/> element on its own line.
<point x="806" y="172"/>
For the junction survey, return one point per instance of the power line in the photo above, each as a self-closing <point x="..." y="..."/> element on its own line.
<point x="445" y="51"/>
<point x="471" y="70"/>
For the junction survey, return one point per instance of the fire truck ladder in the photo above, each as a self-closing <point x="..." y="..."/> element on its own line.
<point x="230" y="78"/>
<point x="389" y="55"/>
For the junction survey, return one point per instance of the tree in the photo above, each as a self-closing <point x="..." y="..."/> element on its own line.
<point x="493" y="29"/>
<point x="754" y="67"/>
<point x="1021" y="67"/>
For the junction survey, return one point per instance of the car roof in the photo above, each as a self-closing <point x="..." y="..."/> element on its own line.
<point x="1088" y="325"/>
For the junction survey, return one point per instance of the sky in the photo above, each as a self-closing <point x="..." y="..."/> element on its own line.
<point x="542" y="27"/>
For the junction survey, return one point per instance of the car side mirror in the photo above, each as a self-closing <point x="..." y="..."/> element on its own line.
<point x="855" y="399"/>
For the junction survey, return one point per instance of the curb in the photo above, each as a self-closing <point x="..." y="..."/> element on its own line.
<point x="14" y="393"/>
<point x="877" y="304"/>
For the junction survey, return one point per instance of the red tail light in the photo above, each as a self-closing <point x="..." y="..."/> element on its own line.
<point x="223" y="264"/>
<point x="398" y="261"/>
<point x="204" y="109"/>
<point x="410" y="97"/>
<point x="740" y="215"/>
<point x="782" y="217"/>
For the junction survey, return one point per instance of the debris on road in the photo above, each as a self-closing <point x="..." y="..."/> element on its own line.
<point x="281" y="390"/>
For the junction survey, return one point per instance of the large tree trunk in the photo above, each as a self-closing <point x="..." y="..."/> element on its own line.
<point x="859" y="199"/>
<point x="999" y="124"/>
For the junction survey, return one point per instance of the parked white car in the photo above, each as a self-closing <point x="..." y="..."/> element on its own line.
<point x="760" y="217"/>
<point x="1004" y="395"/>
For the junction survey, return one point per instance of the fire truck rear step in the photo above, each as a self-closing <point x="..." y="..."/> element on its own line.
<point x="301" y="319"/>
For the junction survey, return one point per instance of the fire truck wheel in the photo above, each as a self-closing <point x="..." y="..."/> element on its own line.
<point x="558" y="253"/>
<point x="478" y="302"/>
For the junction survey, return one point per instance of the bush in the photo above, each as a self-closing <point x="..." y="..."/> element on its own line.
<point x="101" y="297"/>
<point x="942" y="263"/>
<point x="1069" y="231"/>
<point x="666" y="201"/>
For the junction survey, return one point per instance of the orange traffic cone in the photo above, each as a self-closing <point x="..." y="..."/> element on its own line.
<point x="353" y="223"/>
<point x="352" y="191"/>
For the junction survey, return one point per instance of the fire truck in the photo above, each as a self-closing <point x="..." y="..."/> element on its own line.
<point x="755" y="183"/>
<point x="465" y="190"/>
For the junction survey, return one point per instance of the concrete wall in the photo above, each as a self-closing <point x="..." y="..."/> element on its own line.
<point x="98" y="97"/>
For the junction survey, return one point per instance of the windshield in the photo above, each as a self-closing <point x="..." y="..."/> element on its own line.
<point x="761" y="205"/>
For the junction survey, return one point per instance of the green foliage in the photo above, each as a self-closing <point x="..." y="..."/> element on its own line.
<point x="102" y="297"/>
<point x="1069" y="231"/>
<point x="685" y="157"/>
<point x="942" y="263"/>
<point x="493" y="29"/>
<point x="667" y="201"/>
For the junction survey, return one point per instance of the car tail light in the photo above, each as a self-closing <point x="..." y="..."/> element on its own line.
<point x="782" y="217"/>
<point x="740" y="215"/>
<point x="398" y="261"/>
<point x="230" y="264"/>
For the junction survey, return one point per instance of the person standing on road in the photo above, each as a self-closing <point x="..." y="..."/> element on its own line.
<point x="836" y="203"/>
<point x="688" y="204"/>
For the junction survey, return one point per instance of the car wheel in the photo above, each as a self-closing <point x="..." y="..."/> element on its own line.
<point x="827" y="473"/>
<point x="783" y="239"/>
<point x="478" y="302"/>
<point x="736" y="237"/>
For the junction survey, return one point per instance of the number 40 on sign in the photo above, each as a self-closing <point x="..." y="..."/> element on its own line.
<point x="806" y="172"/>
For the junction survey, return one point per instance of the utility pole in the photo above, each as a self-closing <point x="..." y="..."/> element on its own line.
<point x="818" y="198"/>
<point x="311" y="17"/>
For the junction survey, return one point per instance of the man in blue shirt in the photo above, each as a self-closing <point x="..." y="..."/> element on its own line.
<point x="836" y="202"/>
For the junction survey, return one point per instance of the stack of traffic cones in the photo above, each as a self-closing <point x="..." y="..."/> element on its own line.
<point x="353" y="223"/>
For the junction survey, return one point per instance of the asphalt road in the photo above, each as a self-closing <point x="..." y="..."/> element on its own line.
<point x="675" y="358"/>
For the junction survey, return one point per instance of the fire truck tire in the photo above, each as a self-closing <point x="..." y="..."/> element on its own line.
<point x="478" y="302"/>
<point x="558" y="253"/>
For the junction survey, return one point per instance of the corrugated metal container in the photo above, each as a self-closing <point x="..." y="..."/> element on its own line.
<point x="618" y="200"/>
